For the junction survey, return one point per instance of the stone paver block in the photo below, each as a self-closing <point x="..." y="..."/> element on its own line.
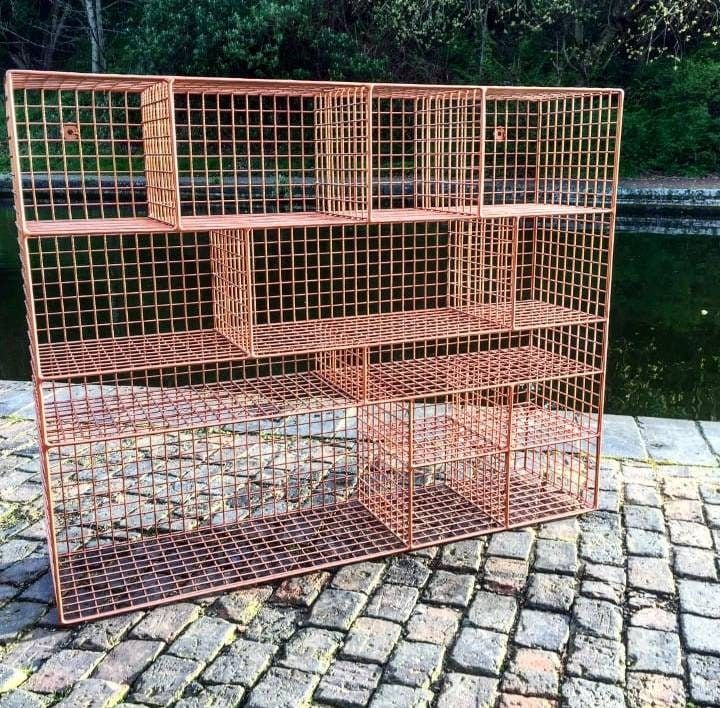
<point x="433" y="624"/>
<point x="164" y="680"/>
<point x="273" y="624"/>
<point x="581" y="693"/>
<point x="415" y="664"/>
<point x="654" y="618"/>
<point x="601" y="619"/>
<point x="491" y="611"/>
<point x="301" y="590"/>
<point x="621" y="438"/>
<point x="242" y="663"/>
<point x="166" y="622"/>
<point x="348" y="683"/>
<point x="533" y="672"/>
<point x="542" y="630"/>
<point x="695" y="563"/>
<point x="372" y="639"/>
<point x="17" y="616"/>
<point x="651" y="574"/>
<point x="467" y="691"/>
<point x="551" y="592"/>
<point x="450" y="588"/>
<point x="35" y="647"/>
<point x="15" y="550"/>
<point x="40" y="591"/>
<point x="678" y="441"/>
<point x="462" y="555"/>
<point x="642" y="494"/>
<point x="597" y="658"/>
<point x="680" y="488"/>
<point x="655" y="690"/>
<point x="505" y="575"/>
<point x="648" y="518"/>
<point x="561" y="530"/>
<point x="711" y="431"/>
<point x="359" y="577"/>
<point x="606" y="573"/>
<point x="479" y="651"/>
<point x="283" y="688"/>
<point x="242" y="606"/>
<point x="311" y="649"/>
<point x="556" y="556"/>
<point x="511" y="544"/>
<point x="601" y="591"/>
<point x="710" y="491"/>
<point x="608" y="500"/>
<point x="701" y="634"/>
<point x="654" y="651"/>
<point x="712" y="512"/>
<point x="704" y="678"/>
<point x="20" y="698"/>
<point x="390" y="695"/>
<point x="63" y="670"/>
<point x="406" y="570"/>
<point x="513" y="700"/>
<point x="393" y="602"/>
<point x="700" y="598"/>
<point x="94" y="693"/>
<point x="203" y="639"/>
<point x="687" y="533"/>
<point x="601" y="547"/>
<point x="127" y="660"/>
<point x="647" y="543"/>
<point x="211" y="696"/>
<point x="684" y="510"/>
<point x="104" y="634"/>
<point x="337" y="609"/>
<point x="10" y="678"/>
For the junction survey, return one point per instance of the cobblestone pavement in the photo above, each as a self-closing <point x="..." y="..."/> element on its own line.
<point x="618" y="607"/>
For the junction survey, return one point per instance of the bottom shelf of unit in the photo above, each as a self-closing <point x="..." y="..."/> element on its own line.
<point x="113" y="578"/>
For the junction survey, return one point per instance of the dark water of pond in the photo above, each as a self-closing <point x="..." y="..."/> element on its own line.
<point x="664" y="355"/>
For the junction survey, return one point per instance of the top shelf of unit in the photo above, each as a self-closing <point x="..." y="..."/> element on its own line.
<point x="137" y="225"/>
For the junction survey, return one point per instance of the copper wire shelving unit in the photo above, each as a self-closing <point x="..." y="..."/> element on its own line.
<point x="277" y="326"/>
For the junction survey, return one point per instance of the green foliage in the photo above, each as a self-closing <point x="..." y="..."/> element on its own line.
<point x="672" y="119"/>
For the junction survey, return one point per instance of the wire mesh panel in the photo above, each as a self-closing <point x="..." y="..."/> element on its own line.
<point x="281" y="325"/>
<point x="92" y="153"/>
<point x="551" y="147"/>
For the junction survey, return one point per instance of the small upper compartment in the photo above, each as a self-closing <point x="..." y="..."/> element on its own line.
<point x="549" y="148"/>
<point x="92" y="149"/>
<point x="257" y="148"/>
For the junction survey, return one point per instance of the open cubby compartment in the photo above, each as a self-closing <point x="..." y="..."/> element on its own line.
<point x="426" y="150"/>
<point x="555" y="147"/>
<point x="562" y="269"/>
<point x="553" y="481"/>
<point x="103" y="303"/>
<point x="138" y="520"/>
<point x="257" y="148"/>
<point x="279" y="291"/>
<point x="555" y="411"/>
<point x="86" y="408"/>
<point x="92" y="153"/>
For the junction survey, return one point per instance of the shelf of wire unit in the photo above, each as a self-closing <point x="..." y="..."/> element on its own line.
<point x="111" y="578"/>
<point x="183" y="397"/>
<point x="136" y="402"/>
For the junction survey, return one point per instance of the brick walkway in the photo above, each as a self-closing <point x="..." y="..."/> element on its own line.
<point x="619" y="607"/>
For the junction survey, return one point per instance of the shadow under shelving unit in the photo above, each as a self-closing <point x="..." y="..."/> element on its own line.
<point x="278" y="326"/>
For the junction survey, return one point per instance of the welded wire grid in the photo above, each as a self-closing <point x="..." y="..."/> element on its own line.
<point x="274" y="327"/>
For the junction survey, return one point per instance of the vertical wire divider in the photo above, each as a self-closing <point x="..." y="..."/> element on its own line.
<point x="509" y="461"/>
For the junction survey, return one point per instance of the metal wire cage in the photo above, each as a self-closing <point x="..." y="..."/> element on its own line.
<point x="278" y="326"/>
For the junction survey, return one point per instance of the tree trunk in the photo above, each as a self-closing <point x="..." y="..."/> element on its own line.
<point x="93" y="12"/>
